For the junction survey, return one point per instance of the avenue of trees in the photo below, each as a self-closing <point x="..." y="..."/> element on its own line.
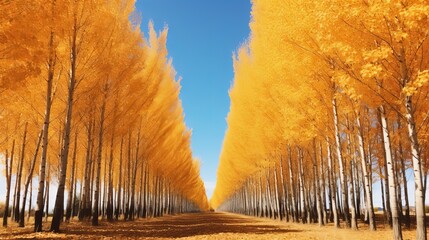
<point x="90" y="106"/>
<point x="329" y="98"/>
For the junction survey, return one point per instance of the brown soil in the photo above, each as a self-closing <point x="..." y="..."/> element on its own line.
<point x="200" y="226"/>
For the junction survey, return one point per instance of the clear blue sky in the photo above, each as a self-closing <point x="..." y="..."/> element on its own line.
<point x="201" y="39"/>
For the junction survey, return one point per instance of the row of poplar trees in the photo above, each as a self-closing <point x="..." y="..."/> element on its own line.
<point x="329" y="98"/>
<point x="91" y="105"/>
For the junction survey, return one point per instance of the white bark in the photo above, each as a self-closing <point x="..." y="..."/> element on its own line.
<point x="343" y="179"/>
<point x="317" y="185"/>
<point x="332" y="181"/>
<point x="418" y="173"/>
<point x="368" y="188"/>
<point x="292" y="187"/>
<point x="397" y="234"/>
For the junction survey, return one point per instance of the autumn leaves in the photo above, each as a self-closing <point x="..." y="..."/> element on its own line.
<point x="330" y="95"/>
<point x="106" y="102"/>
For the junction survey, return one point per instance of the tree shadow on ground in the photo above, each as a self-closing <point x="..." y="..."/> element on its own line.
<point x="186" y="225"/>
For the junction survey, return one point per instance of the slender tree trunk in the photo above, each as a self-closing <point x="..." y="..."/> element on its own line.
<point x="323" y="186"/>
<point x="145" y="190"/>
<point x="91" y="195"/>
<point x="72" y="179"/>
<point x="284" y="187"/>
<point x="317" y="185"/>
<point x="353" y="199"/>
<point x="343" y="176"/>
<point x="404" y="177"/>
<point x="397" y="234"/>
<point x="418" y="172"/>
<point x="352" y="183"/>
<point x="30" y="200"/>
<point x="84" y="210"/>
<point x="383" y="202"/>
<point x="261" y="198"/>
<point x="59" y="201"/>
<point x="38" y="215"/>
<point x="301" y="187"/>
<point x="19" y="176"/>
<point x="365" y="165"/>
<point x="386" y="207"/>
<point x="155" y="197"/>
<point x="99" y="155"/>
<point x="276" y="189"/>
<point x="134" y="177"/>
<point x="357" y="183"/>
<point x="332" y="181"/>
<point x="398" y="187"/>
<point x="139" y="208"/>
<point x="330" y="192"/>
<point x="12" y="212"/>
<point x="128" y="185"/>
<point x="8" y="183"/>
<point x="110" y="180"/>
<point x="292" y="187"/>
<point x="119" y="190"/>
<point x="104" y="198"/>
<point x="28" y="182"/>
<point x="48" y="179"/>
<point x="387" y="192"/>
<point x="75" y="199"/>
<point x="415" y="153"/>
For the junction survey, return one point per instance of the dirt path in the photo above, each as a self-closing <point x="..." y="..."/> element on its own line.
<point x="200" y="226"/>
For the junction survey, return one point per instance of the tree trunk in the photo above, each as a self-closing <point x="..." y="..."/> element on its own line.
<point x="343" y="176"/>
<point x="75" y="199"/>
<point x="8" y="171"/>
<point x="418" y="172"/>
<point x="105" y="185"/>
<point x="134" y="177"/>
<point x="357" y="183"/>
<point x="383" y="202"/>
<point x="110" y="181"/>
<point x="415" y="152"/>
<point x="19" y="177"/>
<point x="128" y="185"/>
<point x="59" y="201"/>
<point x="84" y="210"/>
<point x="276" y="189"/>
<point x="28" y="181"/>
<point x="284" y="187"/>
<point x="388" y="212"/>
<point x="47" y="193"/>
<point x="261" y="198"/>
<point x="352" y="183"/>
<point x="365" y="165"/>
<point x="99" y="155"/>
<point x="292" y="187"/>
<point x="119" y="190"/>
<point x="301" y="187"/>
<point x="317" y="185"/>
<point x="91" y="194"/>
<point x="386" y="207"/>
<point x="38" y="215"/>
<point x="332" y="181"/>
<point x="404" y="178"/>
<point x="323" y="186"/>
<point x="30" y="200"/>
<point x="72" y="179"/>
<point x="145" y="190"/>
<point x="396" y="223"/>
<point x="139" y="208"/>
